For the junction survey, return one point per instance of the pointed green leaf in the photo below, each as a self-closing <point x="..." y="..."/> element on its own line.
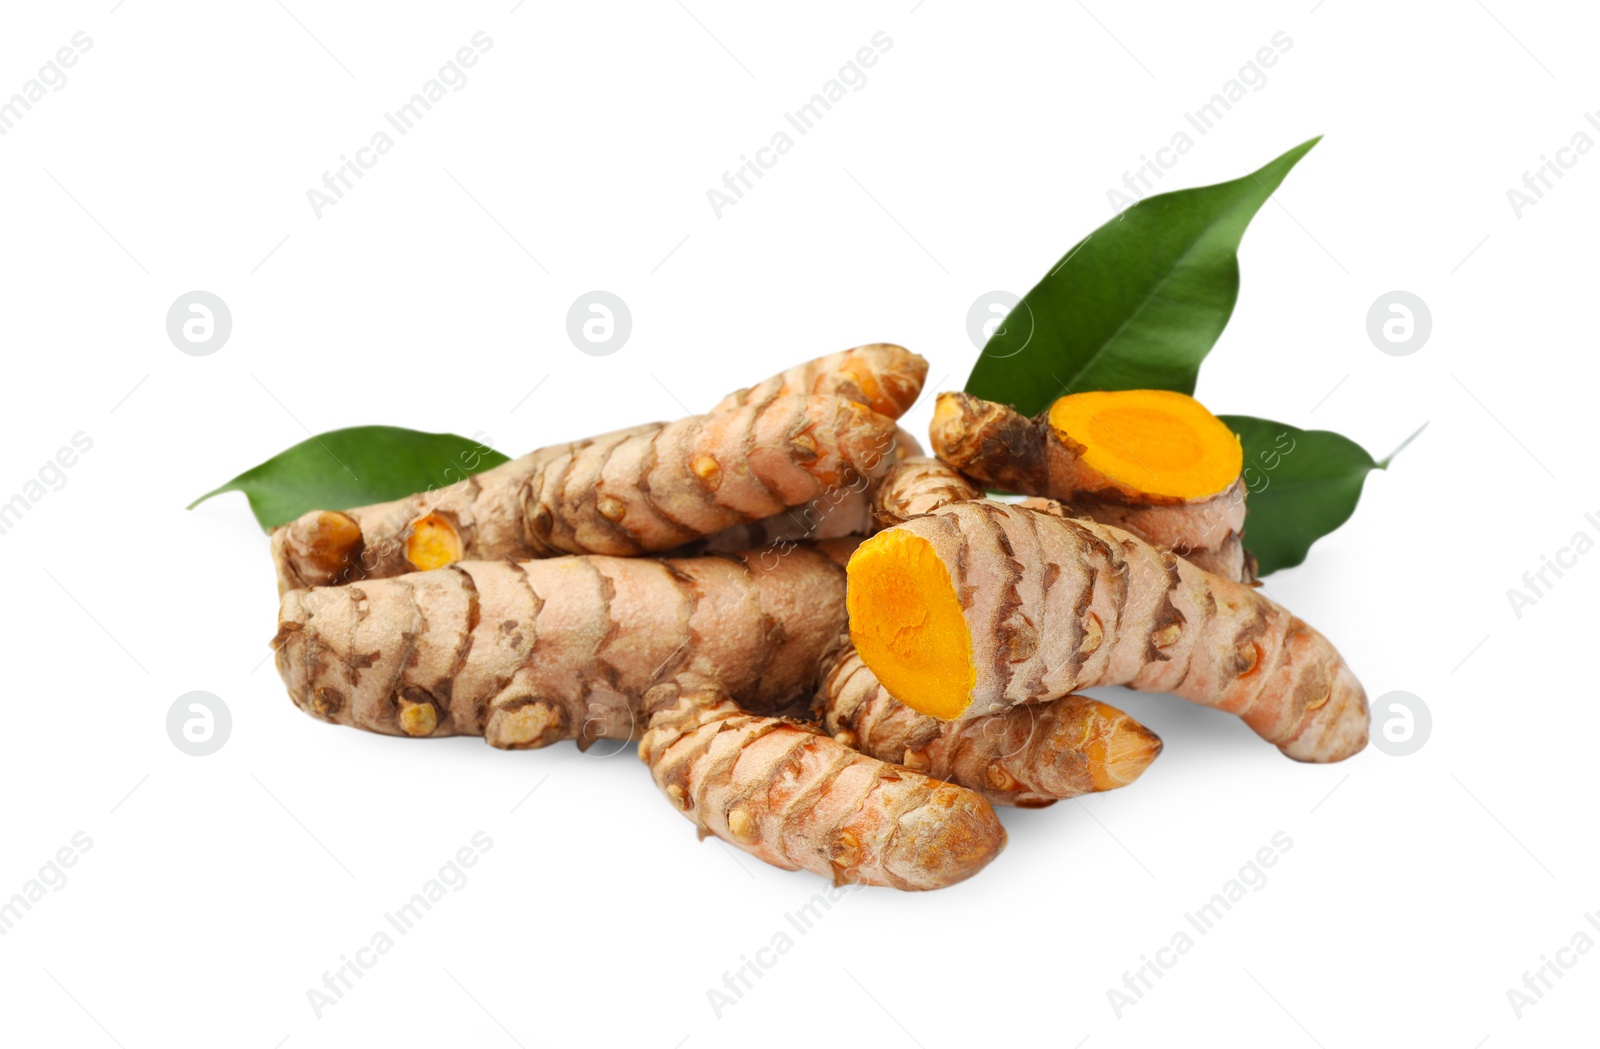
<point x="1137" y="304"/>
<point x="1302" y="483"/>
<point x="355" y="467"/>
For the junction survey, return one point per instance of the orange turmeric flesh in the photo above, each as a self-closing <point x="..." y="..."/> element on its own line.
<point x="907" y="623"/>
<point x="1158" y="442"/>
<point x="433" y="543"/>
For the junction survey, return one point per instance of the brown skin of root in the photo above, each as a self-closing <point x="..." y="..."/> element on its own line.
<point x="1230" y="560"/>
<point x="835" y="514"/>
<point x="1031" y="756"/>
<point x="1052" y="605"/>
<point x="918" y="485"/>
<point x="999" y="448"/>
<point x="881" y="376"/>
<point x="564" y="648"/>
<point x="840" y="511"/>
<point x="797" y="799"/>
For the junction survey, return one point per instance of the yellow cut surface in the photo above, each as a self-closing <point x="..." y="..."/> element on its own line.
<point x="433" y="543"/>
<point x="1158" y="442"/>
<point x="906" y="622"/>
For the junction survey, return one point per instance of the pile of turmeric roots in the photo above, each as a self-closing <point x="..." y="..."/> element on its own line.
<point x="834" y="652"/>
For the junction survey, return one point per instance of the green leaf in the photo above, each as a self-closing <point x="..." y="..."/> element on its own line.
<point x="355" y="467"/>
<point x="1135" y="305"/>
<point x="1302" y="483"/>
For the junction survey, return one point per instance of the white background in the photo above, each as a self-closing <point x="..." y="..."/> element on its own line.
<point x="218" y="890"/>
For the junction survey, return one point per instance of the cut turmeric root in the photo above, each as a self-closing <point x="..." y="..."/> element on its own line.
<point x="1152" y="462"/>
<point x="979" y="606"/>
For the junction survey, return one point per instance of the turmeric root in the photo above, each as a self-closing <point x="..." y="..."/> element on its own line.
<point x="788" y="794"/>
<point x="838" y="512"/>
<point x="913" y="485"/>
<point x="563" y="648"/>
<point x="648" y="488"/>
<point x="1029" y="756"/>
<point x="979" y="606"/>
<point x="1152" y="462"/>
<point x="918" y="485"/>
<point x="879" y="375"/>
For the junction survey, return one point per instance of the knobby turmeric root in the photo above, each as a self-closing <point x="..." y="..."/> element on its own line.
<point x="527" y="654"/>
<point x="1029" y="756"/>
<point x="979" y="606"/>
<point x="786" y="793"/>
<point x="633" y="491"/>
<point x="783" y="443"/>
<point x="918" y="485"/>
<point x="840" y="511"/>
<point x="1152" y="462"/>
<point x="514" y="606"/>
<point x="914" y="484"/>
<point x="835" y="514"/>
